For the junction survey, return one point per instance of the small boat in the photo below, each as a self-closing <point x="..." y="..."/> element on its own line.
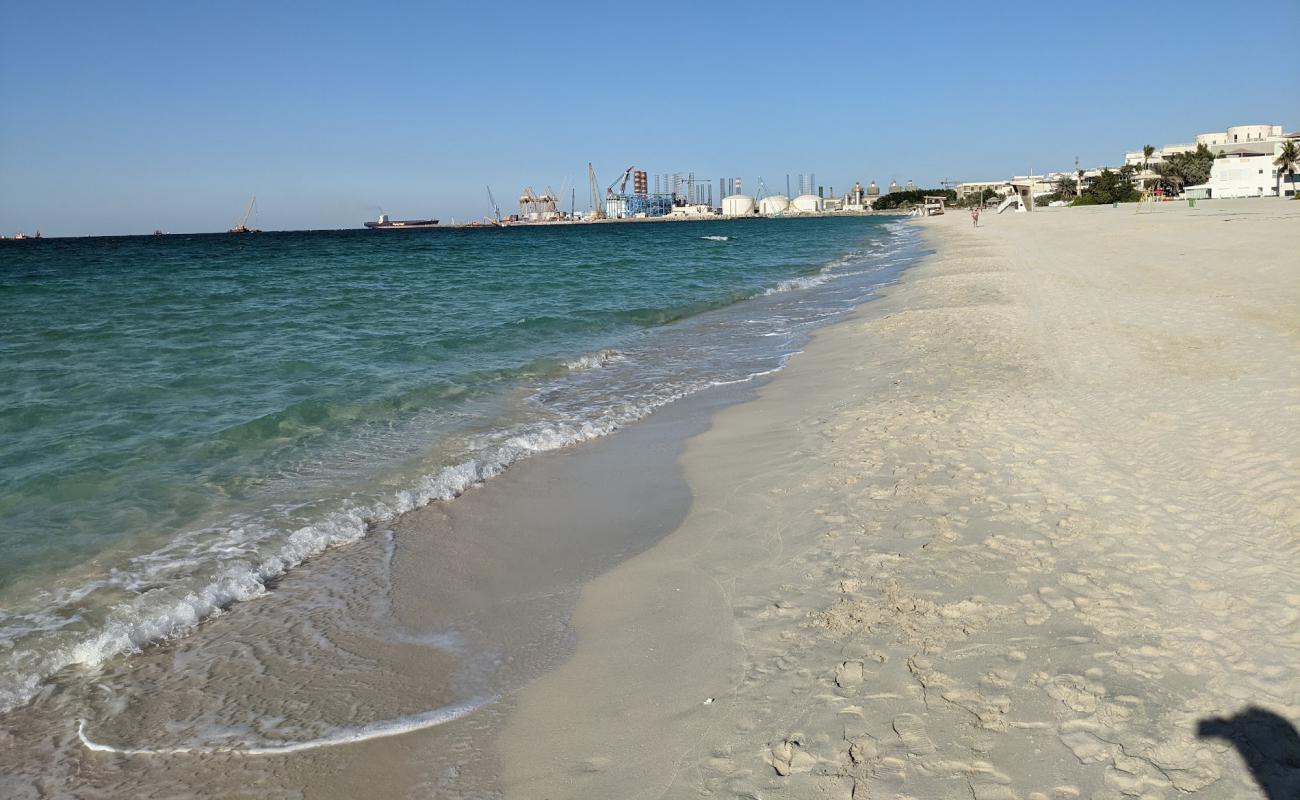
<point x="384" y="223"/>
<point x="242" y="227"/>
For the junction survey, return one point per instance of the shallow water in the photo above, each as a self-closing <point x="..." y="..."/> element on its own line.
<point x="185" y="418"/>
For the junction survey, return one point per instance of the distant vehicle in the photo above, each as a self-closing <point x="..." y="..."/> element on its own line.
<point x="1057" y="203"/>
<point x="384" y="223"/>
<point x="242" y="227"/>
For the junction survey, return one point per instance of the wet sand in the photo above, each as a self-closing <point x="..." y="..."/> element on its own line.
<point x="1028" y="527"/>
<point x="389" y="665"/>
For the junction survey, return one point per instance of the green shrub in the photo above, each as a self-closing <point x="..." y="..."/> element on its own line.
<point x="907" y="198"/>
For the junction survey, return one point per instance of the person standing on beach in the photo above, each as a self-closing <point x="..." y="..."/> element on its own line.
<point x="975" y="215"/>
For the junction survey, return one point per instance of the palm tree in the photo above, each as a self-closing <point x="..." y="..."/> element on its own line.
<point x="1286" y="161"/>
<point x="1147" y="152"/>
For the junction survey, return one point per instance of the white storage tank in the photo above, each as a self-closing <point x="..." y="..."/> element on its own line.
<point x="806" y="204"/>
<point x="737" y="205"/>
<point x="774" y="205"/>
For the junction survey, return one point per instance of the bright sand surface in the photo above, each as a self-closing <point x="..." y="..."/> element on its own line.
<point x="1023" y="528"/>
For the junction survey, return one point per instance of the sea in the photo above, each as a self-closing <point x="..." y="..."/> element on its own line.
<point x="185" y="419"/>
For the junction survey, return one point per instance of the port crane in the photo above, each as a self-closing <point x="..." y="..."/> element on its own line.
<point x="622" y="184"/>
<point x="496" y="210"/>
<point x="597" y="209"/>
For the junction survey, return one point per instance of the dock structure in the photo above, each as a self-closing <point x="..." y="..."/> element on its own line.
<point x="535" y="207"/>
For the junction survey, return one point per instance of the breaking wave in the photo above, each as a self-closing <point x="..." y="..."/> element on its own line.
<point x="199" y="573"/>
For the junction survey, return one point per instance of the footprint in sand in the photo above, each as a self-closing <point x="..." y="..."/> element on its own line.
<point x="788" y="756"/>
<point x="848" y="674"/>
<point x="885" y="780"/>
<point x="911" y="731"/>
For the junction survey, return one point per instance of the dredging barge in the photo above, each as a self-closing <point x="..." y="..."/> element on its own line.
<point x="384" y="223"/>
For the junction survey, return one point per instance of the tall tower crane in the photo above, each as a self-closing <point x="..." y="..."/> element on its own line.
<point x="496" y="210"/>
<point x="597" y="209"/>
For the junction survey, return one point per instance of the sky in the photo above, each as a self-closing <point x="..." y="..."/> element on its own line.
<point x="120" y="118"/>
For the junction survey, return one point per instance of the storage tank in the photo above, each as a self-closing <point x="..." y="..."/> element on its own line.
<point x="806" y="204"/>
<point x="737" y="205"/>
<point x="774" y="205"/>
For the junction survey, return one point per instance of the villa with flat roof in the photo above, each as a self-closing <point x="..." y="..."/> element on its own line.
<point x="1243" y="165"/>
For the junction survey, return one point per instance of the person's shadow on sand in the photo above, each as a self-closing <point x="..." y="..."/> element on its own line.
<point x="1269" y="744"/>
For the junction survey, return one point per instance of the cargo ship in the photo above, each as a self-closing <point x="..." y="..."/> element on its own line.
<point x="385" y="222"/>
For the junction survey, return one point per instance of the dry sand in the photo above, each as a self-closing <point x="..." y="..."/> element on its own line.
<point x="1023" y="528"/>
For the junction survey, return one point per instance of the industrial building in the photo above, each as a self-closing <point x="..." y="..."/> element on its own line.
<point x="676" y="194"/>
<point x="535" y="207"/>
<point x="681" y="195"/>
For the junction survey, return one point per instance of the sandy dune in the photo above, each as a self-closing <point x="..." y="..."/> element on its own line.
<point x="1028" y="527"/>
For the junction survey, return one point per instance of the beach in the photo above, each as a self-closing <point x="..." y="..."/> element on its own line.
<point x="340" y="567"/>
<point x="1018" y="521"/>
<point x="1025" y="527"/>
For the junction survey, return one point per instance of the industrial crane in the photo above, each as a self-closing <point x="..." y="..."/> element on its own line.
<point x="622" y="184"/>
<point x="496" y="210"/>
<point x="597" y="209"/>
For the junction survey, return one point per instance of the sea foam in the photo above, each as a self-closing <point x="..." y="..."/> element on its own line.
<point x="234" y="561"/>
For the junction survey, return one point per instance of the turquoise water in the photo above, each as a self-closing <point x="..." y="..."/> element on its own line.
<point x="184" y="418"/>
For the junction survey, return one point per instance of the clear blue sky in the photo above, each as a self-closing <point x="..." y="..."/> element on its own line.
<point x="125" y="117"/>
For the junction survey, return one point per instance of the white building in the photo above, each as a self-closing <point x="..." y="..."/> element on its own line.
<point x="976" y="188"/>
<point x="1243" y="165"/>
<point x="1240" y="134"/>
<point x="691" y="210"/>
<point x="1243" y="173"/>
<point x="1134" y="158"/>
<point x="1038" y="184"/>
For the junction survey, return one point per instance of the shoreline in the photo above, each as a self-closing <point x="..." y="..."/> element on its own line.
<point x="837" y="600"/>
<point x="430" y="638"/>
<point x="966" y="543"/>
<point x="480" y="225"/>
<point x="340" y="519"/>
